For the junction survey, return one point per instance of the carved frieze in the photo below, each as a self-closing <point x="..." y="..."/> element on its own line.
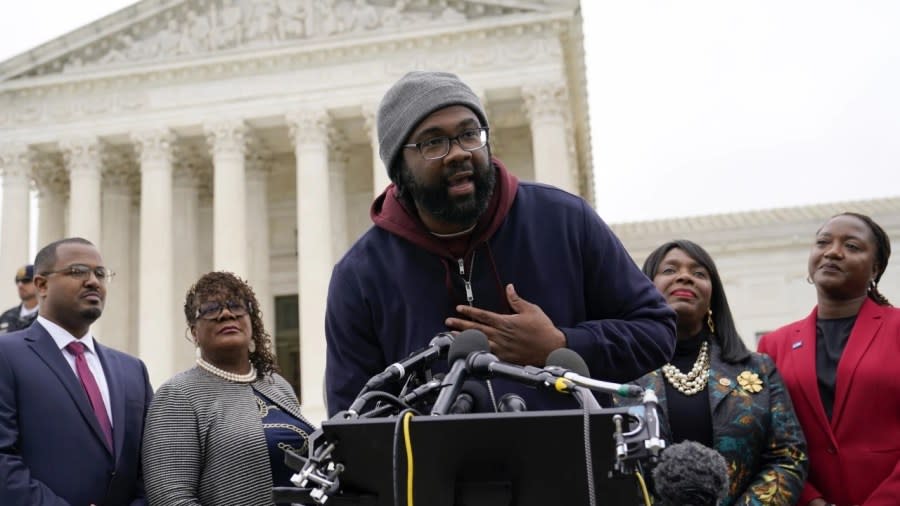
<point x="200" y="27"/>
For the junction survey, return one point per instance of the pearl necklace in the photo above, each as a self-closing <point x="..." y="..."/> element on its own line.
<point x="695" y="380"/>
<point x="250" y="377"/>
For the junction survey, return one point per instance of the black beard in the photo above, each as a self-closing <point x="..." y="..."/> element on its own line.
<point x="435" y="199"/>
<point x="91" y="314"/>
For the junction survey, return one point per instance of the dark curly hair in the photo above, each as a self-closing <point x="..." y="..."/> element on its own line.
<point x="219" y="283"/>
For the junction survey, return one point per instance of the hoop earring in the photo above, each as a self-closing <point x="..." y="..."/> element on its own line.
<point x="873" y="286"/>
<point x="709" y="322"/>
<point x="809" y="279"/>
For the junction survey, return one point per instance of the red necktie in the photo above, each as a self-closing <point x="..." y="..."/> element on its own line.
<point x="90" y="387"/>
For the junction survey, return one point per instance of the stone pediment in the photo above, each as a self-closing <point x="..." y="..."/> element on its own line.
<point x="166" y="30"/>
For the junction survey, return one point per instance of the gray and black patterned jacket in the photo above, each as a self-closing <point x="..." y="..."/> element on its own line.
<point x="204" y="442"/>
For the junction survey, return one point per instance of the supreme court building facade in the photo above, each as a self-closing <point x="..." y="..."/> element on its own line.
<point x="183" y="136"/>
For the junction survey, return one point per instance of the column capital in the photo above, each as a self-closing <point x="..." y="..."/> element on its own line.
<point x="81" y="154"/>
<point x="545" y="100"/>
<point x="154" y="145"/>
<point x="226" y="137"/>
<point x="119" y="169"/>
<point x="15" y="160"/>
<point x="191" y="167"/>
<point x="308" y="126"/>
<point x="370" y="118"/>
<point x="49" y="174"/>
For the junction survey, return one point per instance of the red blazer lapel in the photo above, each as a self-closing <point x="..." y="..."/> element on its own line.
<point x="861" y="337"/>
<point x="803" y="350"/>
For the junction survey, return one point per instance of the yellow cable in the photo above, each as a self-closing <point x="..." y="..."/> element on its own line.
<point x="643" y="488"/>
<point x="409" y="459"/>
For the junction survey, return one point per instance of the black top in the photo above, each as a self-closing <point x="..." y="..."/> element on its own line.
<point x="283" y="432"/>
<point x="689" y="416"/>
<point x="831" y="338"/>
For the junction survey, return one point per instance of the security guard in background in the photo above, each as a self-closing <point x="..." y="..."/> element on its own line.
<point x="21" y="316"/>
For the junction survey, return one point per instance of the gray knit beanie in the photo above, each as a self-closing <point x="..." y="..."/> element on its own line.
<point x="412" y="99"/>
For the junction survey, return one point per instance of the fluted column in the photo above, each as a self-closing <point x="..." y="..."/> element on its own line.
<point x="82" y="158"/>
<point x="114" y="328"/>
<point x="547" y="108"/>
<point x="227" y="144"/>
<point x="15" y="171"/>
<point x="156" y="307"/>
<point x="52" y="182"/>
<point x="380" y="179"/>
<point x="309" y="131"/>
<point x="184" y="234"/>
<point x="258" y="167"/>
<point x="337" y="161"/>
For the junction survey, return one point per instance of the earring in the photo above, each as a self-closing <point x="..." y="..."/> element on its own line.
<point x="809" y="280"/>
<point x="252" y="346"/>
<point x="197" y="352"/>
<point x="709" y="322"/>
<point x="873" y="286"/>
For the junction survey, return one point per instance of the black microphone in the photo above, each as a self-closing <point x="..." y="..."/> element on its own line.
<point x="690" y="474"/>
<point x="487" y="365"/>
<point x="511" y="403"/>
<point x="437" y="348"/>
<point x="467" y="343"/>
<point x="568" y="364"/>
<point x="473" y="397"/>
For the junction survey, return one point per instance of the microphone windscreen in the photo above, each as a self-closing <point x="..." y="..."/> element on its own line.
<point x="570" y="360"/>
<point x="690" y="474"/>
<point x="465" y="343"/>
<point x="478" y="396"/>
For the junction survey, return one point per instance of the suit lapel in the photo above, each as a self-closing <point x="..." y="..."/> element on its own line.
<point x="863" y="334"/>
<point x="45" y="347"/>
<point x="114" y="381"/>
<point x="722" y="380"/>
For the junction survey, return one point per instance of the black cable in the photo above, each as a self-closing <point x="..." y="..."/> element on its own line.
<point x="395" y="471"/>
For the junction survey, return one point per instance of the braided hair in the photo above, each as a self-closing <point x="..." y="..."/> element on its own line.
<point x="217" y="283"/>
<point x="882" y="254"/>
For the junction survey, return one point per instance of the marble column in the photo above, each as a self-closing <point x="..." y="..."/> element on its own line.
<point x="547" y="108"/>
<point x="156" y="307"/>
<point x="226" y="141"/>
<point x="380" y="179"/>
<point x="258" y="253"/>
<point x="114" y="328"/>
<point x="15" y="171"/>
<point x="186" y="269"/>
<point x="337" y="185"/>
<point x="52" y="182"/>
<point x="309" y="131"/>
<point x="82" y="158"/>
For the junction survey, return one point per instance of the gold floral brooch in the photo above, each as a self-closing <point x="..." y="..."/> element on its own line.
<point x="750" y="382"/>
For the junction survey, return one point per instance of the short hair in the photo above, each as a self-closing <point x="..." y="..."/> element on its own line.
<point x="45" y="259"/>
<point x="733" y="348"/>
<point x="221" y="282"/>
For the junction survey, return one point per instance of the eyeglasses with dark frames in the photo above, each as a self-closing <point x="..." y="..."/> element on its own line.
<point x="213" y="310"/>
<point x="82" y="272"/>
<point x="471" y="139"/>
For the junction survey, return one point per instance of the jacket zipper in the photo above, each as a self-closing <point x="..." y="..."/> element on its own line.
<point x="470" y="295"/>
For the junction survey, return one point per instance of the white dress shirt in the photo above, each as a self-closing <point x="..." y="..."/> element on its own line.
<point x="62" y="337"/>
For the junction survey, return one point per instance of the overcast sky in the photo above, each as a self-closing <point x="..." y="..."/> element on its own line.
<point x="699" y="107"/>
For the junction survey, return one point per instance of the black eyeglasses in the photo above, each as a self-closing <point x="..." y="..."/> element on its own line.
<point x="82" y="272"/>
<point x="213" y="310"/>
<point x="438" y="147"/>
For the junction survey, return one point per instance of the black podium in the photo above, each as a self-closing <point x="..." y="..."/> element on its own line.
<point x="496" y="459"/>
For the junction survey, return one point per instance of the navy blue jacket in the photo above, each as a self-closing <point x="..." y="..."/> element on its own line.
<point x="389" y="296"/>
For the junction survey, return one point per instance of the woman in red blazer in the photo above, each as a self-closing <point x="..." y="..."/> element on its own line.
<point x="840" y="367"/>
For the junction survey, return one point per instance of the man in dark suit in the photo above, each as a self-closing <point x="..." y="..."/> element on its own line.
<point x="71" y="410"/>
<point x="21" y="316"/>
